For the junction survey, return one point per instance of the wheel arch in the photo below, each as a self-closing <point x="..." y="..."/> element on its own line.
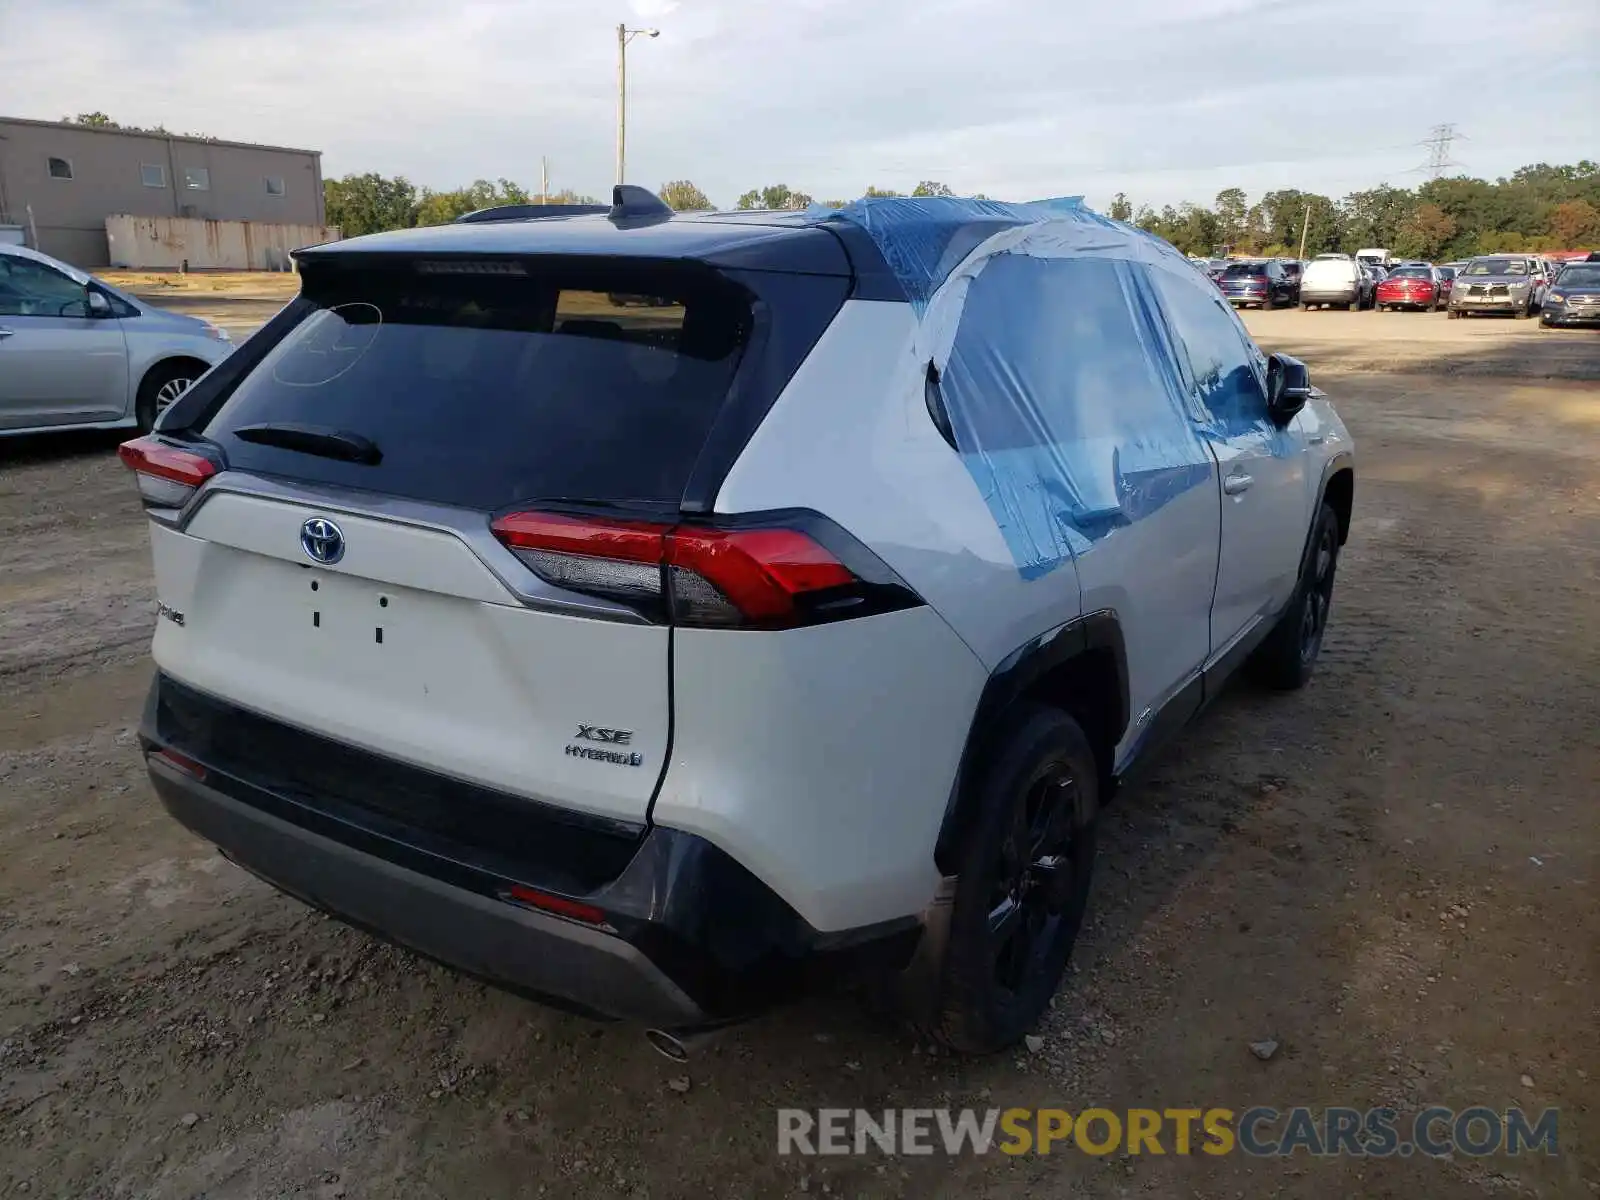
<point x="172" y="360"/>
<point x="1080" y="667"/>
<point x="1339" y="490"/>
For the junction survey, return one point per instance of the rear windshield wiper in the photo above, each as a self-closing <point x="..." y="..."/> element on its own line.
<point x="313" y="439"/>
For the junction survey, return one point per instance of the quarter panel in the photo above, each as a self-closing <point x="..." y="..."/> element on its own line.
<point x="851" y="438"/>
<point x="822" y="758"/>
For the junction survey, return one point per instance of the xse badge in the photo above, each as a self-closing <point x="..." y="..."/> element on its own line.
<point x="606" y="737"/>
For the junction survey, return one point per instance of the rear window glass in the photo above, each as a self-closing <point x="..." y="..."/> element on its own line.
<point x="1244" y="270"/>
<point x="489" y="385"/>
<point x="1410" y="273"/>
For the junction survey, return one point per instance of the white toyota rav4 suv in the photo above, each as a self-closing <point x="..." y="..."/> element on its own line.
<point x="660" y="614"/>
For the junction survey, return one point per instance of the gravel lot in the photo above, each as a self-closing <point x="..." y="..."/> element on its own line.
<point x="1393" y="874"/>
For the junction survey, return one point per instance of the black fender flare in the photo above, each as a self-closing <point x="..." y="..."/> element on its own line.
<point x="1012" y="679"/>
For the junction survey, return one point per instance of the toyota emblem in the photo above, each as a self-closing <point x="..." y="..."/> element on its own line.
<point x="322" y="540"/>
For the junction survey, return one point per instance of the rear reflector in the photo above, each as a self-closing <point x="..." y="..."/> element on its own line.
<point x="167" y="476"/>
<point x="704" y="576"/>
<point x="180" y="762"/>
<point x="561" y="906"/>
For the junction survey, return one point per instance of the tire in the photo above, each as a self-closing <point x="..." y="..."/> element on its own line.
<point x="163" y="384"/>
<point x="1286" y="659"/>
<point x="1268" y="304"/>
<point x="1523" y="313"/>
<point x="1304" y="307"/>
<point x="1022" y="885"/>
<point x="1454" y="314"/>
<point x="1354" y="305"/>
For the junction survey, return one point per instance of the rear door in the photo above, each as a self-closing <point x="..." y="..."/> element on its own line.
<point x="362" y="595"/>
<point x="1263" y="468"/>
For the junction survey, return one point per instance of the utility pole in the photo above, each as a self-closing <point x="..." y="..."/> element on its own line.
<point x="624" y="36"/>
<point x="544" y="180"/>
<point x="1305" y="228"/>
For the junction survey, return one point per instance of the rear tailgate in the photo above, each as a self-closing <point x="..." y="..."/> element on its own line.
<point x="411" y="647"/>
<point x="363" y="596"/>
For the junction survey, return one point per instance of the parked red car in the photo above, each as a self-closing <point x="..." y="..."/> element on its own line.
<point x="1413" y="285"/>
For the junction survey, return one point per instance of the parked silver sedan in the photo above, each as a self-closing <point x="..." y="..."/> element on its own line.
<point x="76" y="353"/>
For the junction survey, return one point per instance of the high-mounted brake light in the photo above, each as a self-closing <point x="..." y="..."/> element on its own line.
<point x="702" y="575"/>
<point x="167" y="476"/>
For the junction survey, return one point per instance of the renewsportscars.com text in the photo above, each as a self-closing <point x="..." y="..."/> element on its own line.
<point x="1261" y="1132"/>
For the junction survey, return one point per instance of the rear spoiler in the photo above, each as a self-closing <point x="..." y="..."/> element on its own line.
<point x="627" y="201"/>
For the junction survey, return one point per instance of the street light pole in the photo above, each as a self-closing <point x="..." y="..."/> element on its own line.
<point x="624" y="36"/>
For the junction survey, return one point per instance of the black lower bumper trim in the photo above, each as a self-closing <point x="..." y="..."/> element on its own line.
<point x="692" y="938"/>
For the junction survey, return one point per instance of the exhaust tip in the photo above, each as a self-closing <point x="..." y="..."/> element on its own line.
<point x="666" y="1045"/>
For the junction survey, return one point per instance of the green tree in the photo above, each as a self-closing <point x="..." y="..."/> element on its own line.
<point x="369" y="203"/>
<point x="1121" y="209"/>
<point x="682" y="196"/>
<point x="929" y="187"/>
<point x="1374" y="217"/>
<point x="1425" y="233"/>
<point x="873" y="193"/>
<point x="97" y="119"/>
<point x="440" y="208"/>
<point x="777" y="196"/>
<point x="1283" y="215"/>
<point x="568" y="196"/>
<point x="1233" y="218"/>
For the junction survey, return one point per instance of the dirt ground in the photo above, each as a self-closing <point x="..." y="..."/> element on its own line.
<point x="1393" y="874"/>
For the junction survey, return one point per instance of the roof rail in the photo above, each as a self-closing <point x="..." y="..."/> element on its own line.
<point x="529" y="212"/>
<point x="629" y="200"/>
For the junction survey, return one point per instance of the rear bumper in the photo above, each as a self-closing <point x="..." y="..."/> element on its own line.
<point x="1341" y="296"/>
<point x="688" y="938"/>
<point x="514" y="947"/>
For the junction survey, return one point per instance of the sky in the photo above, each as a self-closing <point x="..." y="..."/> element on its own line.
<point x="1166" y="100"/>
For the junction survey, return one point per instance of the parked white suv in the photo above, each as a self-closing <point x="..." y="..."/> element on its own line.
<point x="659" y="614"/>
<point x="76" y="353"/>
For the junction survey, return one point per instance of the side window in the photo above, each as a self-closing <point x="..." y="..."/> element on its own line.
<point x="1220" y="360"/>
<point x="1064" y="405"/>
<point x="30" y="289"/>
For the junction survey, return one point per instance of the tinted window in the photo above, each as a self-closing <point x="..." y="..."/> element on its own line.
<point x="1244" y="270"/>
<point x="1584" y="276"/>
<point x="1410" y="273"/>
<point x="487" y="389"/>
<point x="31" y="289"/>
<point x="1217" y="358"/>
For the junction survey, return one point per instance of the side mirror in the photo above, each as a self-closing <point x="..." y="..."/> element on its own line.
<point x="1288" y="388"/>
<point x="99" y="306"/>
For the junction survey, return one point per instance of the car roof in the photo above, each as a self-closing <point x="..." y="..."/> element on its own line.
<point x="31" y="255"/>
<point x="756" y="240"/>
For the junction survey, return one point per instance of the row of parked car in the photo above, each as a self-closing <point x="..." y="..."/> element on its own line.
<point x="1561" y="293"/>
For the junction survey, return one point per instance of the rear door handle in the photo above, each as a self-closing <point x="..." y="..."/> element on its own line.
<point x="1234" y="485"/>
<point x="5" y="333"/>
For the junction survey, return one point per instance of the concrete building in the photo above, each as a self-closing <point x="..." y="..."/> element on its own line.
<point x="75" y="176"/>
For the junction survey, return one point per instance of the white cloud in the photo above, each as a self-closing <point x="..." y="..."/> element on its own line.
<point x="1165" y="99"/>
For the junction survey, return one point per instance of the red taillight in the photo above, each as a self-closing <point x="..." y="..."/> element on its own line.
<point x="761" y="571"/>
<point x="561" y="906"/>
<point x="716" y="576"/>
<point x="167" y="476"/>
